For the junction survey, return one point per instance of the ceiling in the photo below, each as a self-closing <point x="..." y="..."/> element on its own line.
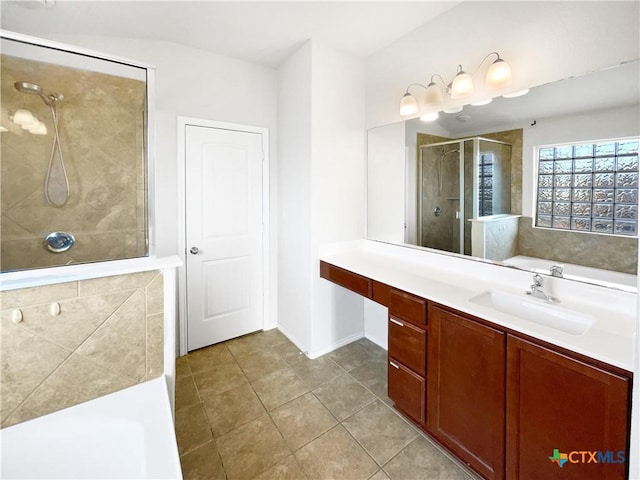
<point x="261" y="32"/>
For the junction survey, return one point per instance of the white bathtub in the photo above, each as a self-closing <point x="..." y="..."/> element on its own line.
<point x="576" y="272"/>
<point x="125" y="435"/>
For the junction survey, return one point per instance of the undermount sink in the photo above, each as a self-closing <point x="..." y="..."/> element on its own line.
<point x="536" y="311"/>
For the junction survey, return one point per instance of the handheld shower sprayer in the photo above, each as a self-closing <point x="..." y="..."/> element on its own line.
<point x="56" y="184"/>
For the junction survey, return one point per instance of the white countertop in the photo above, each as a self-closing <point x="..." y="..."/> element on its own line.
<point x="452" y="281"/>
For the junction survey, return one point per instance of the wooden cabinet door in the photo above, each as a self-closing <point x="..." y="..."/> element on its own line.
<point x="465" y="390"/>
<point x="555" y="402"/>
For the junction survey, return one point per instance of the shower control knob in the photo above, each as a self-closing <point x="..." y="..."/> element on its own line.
<point x="194" y="250"/>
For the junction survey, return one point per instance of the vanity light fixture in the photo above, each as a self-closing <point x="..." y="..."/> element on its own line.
<point x="29" y="122"/>
<point x="23" y="117"/>
<point x="498" y="76"/>
<point x="408" y="104"/>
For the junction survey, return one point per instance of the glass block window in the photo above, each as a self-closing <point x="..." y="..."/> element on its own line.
<point x="591" y="187"/>
<point x="485" y="185"/>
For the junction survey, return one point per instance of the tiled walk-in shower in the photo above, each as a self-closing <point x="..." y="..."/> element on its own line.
<point x="255" y="407"/>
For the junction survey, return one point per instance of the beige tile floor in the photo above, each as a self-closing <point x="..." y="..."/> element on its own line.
<point x="256" y="408"/>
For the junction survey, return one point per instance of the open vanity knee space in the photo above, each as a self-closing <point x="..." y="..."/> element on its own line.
<point x="504" y="394"/>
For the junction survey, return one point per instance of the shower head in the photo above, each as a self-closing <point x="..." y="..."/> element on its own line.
<point x="33" y="89"/>
<point x="444" y="152"/>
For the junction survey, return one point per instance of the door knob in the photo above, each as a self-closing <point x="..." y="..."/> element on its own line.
<point x="194" y="250"/>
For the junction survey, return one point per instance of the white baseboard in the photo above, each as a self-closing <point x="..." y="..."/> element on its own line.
<point x="377" y="341"/>
<point x="301" y="346"/>
<point x="335" y="345"/>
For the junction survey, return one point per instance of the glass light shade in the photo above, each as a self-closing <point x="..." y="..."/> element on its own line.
<point x="408" y="105"/>
<point x="429" y="117"/>
<point x="462" y="85"/>
<point x="498" y="75"/>
<point x="23" y="117"/>
<point x="2" y="129"/>
<point x="31" y="125"/>
<point x="433" y="95"/>
<point x="453" y="110"/>
<point x="39" y="129"/>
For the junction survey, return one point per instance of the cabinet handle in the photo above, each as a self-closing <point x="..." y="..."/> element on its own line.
<point x="393" y="320"/>
<point x="393" y="364"/>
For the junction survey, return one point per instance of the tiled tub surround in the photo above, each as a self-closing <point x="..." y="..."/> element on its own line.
<point x="607" y="252"/>
<point x="256" y="408"/>
<point x="453" y="281"/>
<point x="101" y="133"/>
<point x="109" y="335"/>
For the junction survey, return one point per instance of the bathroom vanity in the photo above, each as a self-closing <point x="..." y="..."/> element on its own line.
<point x="498" y="391"/>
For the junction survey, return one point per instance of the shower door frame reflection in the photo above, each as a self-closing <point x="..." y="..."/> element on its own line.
<point x="461" y="187"/>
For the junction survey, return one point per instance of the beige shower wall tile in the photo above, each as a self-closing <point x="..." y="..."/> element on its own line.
<point x="95" y="247"/>
<point x="24" y="297"/>
<point x="77" y="380"/>
<point x="116" y="282"/>
<point x="36" y="216"/>
<point x="29" y="253"/>
<point x="102" y="156"/>
<point x="26" y="361"/>
<point x="120" y="343"/>
<point x="13" y="231"/>
<point x="77" y="320"/>
<point x="155" y="295"/>
<point x="155" y="345"/>
<point x="21" y="175"/>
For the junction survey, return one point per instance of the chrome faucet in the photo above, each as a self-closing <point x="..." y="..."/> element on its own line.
<point x="557" y="271"/>
<point x="538" y="291"/>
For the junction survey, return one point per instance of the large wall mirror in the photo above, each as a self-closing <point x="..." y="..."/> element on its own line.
<point x="549" y="178"/>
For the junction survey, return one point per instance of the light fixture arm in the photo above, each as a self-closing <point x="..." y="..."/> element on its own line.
<point x="414" y="85"/>
<point x="482" y="62"/>
<point x="444" y="84"/>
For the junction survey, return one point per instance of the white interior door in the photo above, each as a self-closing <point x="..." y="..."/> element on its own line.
<point x="224" y="231"/>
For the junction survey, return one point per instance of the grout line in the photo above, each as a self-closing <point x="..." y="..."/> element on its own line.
<point x="340" y="423"/>
<point x="32" y="392"/>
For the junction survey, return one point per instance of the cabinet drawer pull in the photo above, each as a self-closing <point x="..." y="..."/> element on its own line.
<point x="393" y="364"/>
<point x="393" y="320"/>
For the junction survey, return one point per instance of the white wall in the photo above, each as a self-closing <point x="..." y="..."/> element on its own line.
<point x="294" y="225"/>
<point x="386" y="173"/>
<point x="321" y="130"/>
<point x="542" y="41"/>
<point x="337" y="188"/>
<point x="604" y="124"/>
<point x="197" y="83"/>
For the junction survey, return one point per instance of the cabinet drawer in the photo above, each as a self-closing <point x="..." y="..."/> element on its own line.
<point x="408" y="307"/>
<point x="346" y="279"/>
<point x="408" y="344"/>
<point x="381" y="293"/>
<point x="407" y="390"/>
